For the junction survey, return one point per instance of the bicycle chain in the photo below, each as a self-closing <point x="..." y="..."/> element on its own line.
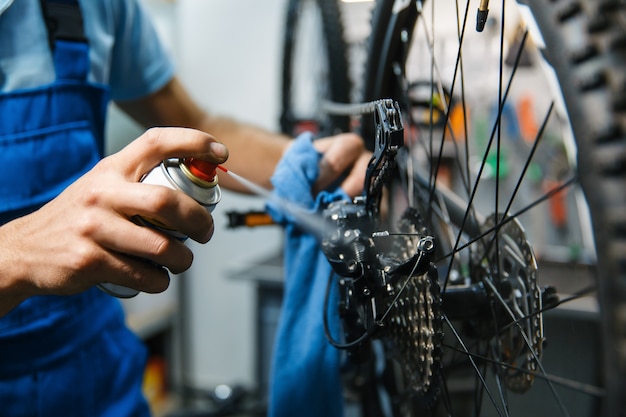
<point x="414" y="330"/>
<point x="414" y="326"/>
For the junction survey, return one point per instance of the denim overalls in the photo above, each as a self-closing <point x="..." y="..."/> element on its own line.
<point x="61" y="356"/>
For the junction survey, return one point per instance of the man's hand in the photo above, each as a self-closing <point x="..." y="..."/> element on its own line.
<point x="86" y="235"/>
<point x="342" y="152"/>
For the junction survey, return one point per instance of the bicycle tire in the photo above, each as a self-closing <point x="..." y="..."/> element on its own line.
<point x="592" y="82"/>
<point x="332" y="56"/>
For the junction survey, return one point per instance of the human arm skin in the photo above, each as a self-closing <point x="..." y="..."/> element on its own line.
<point x="84" y="236"/>
<point x="254" y="152"/>
<point x="173" y="106"/>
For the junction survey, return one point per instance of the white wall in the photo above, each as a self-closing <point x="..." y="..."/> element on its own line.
<point x="229" y="54"/>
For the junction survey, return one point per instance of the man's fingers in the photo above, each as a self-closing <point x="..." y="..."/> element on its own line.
<point x="162" y="205"/>
<point x="144" y="242"/>
<point x="340" y="153"/>
<point x="353" y="184"/>
<point x="157" y="144"/>
<point x="136" y="273"/>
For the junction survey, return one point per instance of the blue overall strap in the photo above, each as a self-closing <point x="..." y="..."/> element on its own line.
<point x="51" y="135"/>
<point x="64" y="20"/>
<point x="305" y="377"/>
<point x="66" y="35"/>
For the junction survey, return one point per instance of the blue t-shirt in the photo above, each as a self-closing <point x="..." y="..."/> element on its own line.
<point x="125" y="52"/>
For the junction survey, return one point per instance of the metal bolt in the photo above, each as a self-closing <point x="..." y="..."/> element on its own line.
<point x="426" y="244"/>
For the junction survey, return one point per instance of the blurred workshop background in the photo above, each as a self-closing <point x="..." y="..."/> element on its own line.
<point x="214" y="326"/>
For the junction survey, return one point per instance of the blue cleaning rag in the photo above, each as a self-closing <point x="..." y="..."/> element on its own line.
<point x="305" y="379"/>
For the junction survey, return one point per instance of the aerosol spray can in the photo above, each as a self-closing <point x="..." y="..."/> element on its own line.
<point x="194" y="177"/>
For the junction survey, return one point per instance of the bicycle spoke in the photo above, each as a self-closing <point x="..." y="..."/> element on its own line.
<point x="576" y="296"/>
<point x="496" y="352"/>
<point x="536" y="141"/>
<point x="436" y="82"/>
<point x="461" y="35"/>
<point x="522" y="175"/>
<point x="479" y="374"/>
<point x="551" y="193"/>
<point x="496" y="129"/>
<point x="484" y="160"/>
<point x="528" y="343"/>
<point x="578" y="386"/>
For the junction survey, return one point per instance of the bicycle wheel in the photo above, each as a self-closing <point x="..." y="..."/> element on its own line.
<point x="531" y="314"/>
<point x="314" y="68"/>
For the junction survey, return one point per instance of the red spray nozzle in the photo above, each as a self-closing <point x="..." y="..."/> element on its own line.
<point x="204" y="170"/>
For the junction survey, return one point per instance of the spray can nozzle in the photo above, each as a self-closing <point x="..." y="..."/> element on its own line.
<point x="202" y="170"/>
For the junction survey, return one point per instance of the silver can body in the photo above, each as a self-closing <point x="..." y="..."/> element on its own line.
<point x="172" y="173"/>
